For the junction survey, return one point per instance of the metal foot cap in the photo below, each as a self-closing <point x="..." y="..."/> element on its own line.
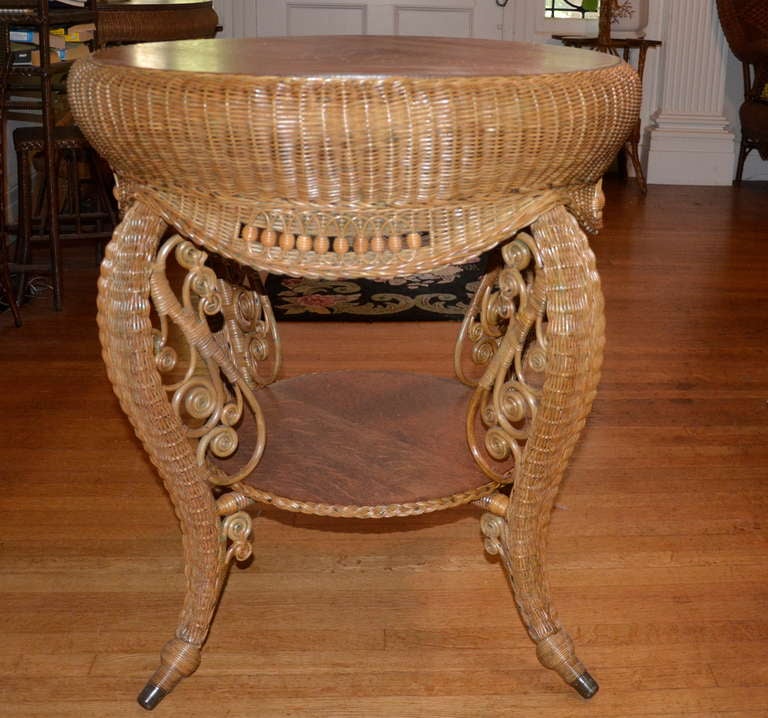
<point x="151" y="696"/>
<point x="585" y="685"/>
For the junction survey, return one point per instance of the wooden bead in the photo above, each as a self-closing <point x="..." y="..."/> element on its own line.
<point x="287" y="241"/>
<point x="378" y="243"/>
<point x="321" y="244"/>
<point x="250" y="234"/>
<point x="268" y="238"/>
<point x="413" y="240"/>
<point x="361" y="245"/>
<point x="304" y="243"/>
<point x="395" y="243"/>
<point x="341" y="245"/>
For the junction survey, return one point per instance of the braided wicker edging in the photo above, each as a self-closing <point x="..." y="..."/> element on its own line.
<point x="413" y="508"/>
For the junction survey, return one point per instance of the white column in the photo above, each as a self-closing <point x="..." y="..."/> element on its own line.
<point x="691" y="142"/>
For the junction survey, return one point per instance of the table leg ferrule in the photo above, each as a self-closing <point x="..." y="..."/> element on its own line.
<point x="585" y="685"/>
<point x="557" y="653"/>
<point x="178" y="660"/>
<point x="151" y="696"/>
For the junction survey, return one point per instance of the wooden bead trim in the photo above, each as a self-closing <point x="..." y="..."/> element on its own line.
<point x="257" y="239"/>
<point x="250" y="234"/>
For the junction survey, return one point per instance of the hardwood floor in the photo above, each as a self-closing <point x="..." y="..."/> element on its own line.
<point x="658" y="545"/>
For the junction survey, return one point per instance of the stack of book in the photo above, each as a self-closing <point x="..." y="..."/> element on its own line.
<point x="66" y="43"/>
<point x="76" y="39"/>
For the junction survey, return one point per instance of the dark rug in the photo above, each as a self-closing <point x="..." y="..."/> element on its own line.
<point x="444" y="293"/>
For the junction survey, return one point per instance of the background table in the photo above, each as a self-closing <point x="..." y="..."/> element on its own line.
<point x="353" y="156"/>
<point x="155" y="20"/>
<point x="624" y="47"/>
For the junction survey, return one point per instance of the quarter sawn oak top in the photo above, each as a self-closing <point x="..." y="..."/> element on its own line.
<point x="355" y="56"/>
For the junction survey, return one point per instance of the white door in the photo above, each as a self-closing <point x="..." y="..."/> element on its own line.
<point x="450" y="18"/>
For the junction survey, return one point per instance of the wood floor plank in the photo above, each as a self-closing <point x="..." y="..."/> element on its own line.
<point x="657" y="551"/>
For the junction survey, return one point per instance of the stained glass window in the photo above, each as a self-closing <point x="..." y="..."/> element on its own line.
<point x="578" y="9"/>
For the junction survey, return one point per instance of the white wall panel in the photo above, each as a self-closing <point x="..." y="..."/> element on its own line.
<point x="304" y="18"/>
<point x="237" y="18"/>
<point x="451" y="18"/>
<point x="434" y="21"/>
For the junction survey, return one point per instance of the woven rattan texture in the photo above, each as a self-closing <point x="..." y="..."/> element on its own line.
<point x="134" y="24"/>
<point x="745" y="24"/>
<point x="468" y="160"/>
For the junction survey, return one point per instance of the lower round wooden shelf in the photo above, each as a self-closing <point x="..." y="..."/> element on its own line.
<point x="366" y="439"/>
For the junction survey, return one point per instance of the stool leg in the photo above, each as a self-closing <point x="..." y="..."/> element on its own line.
<point x="5" y="281"/>
<point x="105" y="204"/>
<point x="74" y="198"/>
<point x="632" y="149"/>
<point x="566" y="350"/>
<point x="25" y="213"/>
<point x="743" y="152"/>
<point x="50" y="207"/>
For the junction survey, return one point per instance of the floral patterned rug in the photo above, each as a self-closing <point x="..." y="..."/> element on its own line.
<point x="444" y="293"/>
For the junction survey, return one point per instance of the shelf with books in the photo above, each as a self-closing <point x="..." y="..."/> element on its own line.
<point x="39" y="39"/>
<point x="65" y="42"/>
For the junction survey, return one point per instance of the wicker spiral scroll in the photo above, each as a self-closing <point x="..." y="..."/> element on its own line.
<point x="211" y="382"/>
<point x="507" y="330"/>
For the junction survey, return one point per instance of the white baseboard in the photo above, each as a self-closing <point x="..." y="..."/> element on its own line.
<point x="692" y="157"/>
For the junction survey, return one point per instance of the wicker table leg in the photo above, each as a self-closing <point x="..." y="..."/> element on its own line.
<point x="126" y="333"/>
<point x="515" y="528"/>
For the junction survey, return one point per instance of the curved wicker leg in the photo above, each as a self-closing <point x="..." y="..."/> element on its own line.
<point x="127" y="339"/>
<point x="516" y="528"/>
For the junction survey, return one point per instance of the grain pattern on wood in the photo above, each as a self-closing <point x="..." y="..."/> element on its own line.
<point x="365" y="438"/>
<point x="357" y="56"/>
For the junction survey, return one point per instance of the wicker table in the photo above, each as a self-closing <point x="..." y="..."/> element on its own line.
<point x="353" y="157"/>
<point x="124" y="21"/>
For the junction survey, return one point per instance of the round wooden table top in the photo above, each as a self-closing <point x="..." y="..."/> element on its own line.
<point x="357" y="56"/>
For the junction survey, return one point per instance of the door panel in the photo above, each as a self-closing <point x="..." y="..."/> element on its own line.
<point x="450" y="18"/>
<point x="448" y="22"/>
<point x="305" y="18"/>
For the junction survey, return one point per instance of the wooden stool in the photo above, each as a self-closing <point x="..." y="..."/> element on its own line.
<point x="5" y="282"/>
<point x="72" y="149"/>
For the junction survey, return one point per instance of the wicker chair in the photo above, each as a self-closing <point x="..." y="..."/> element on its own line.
<point x="745" y="24"/>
